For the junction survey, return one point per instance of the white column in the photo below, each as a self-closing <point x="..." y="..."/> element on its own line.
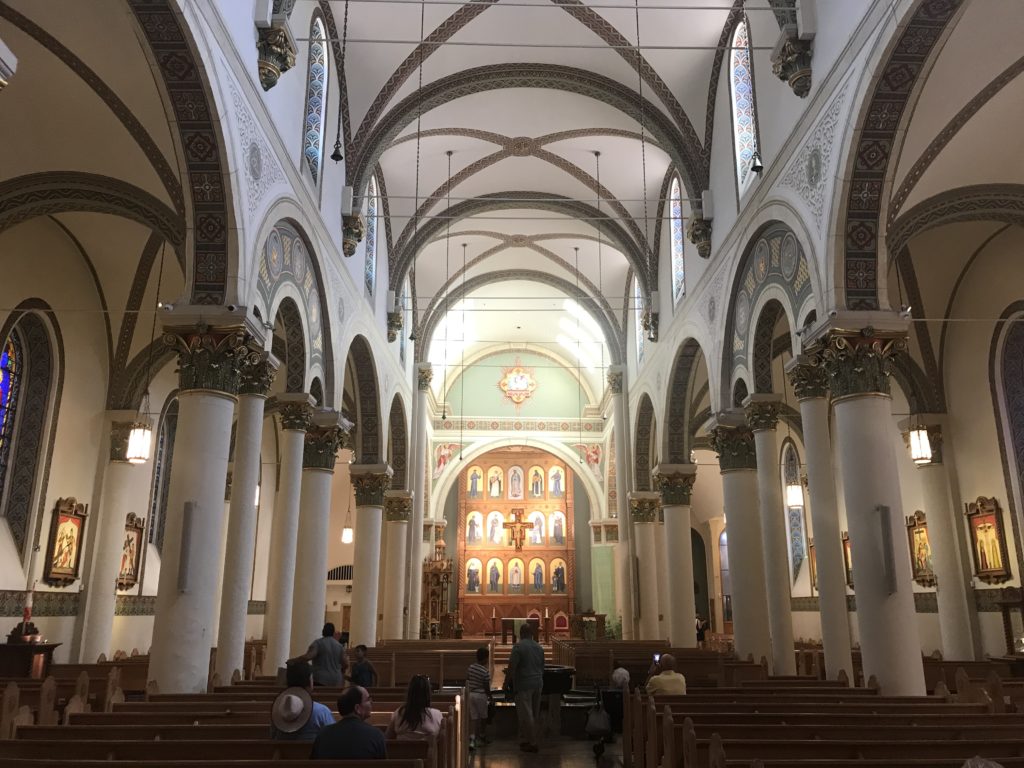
<point x="643" y="509"/>
<point x="763" y="417"/>
<point x="810" y="383"/>
<point x="623" y="480"/>
<point x="675" y="483"/>
<point x="370" y="482"/>
<point x="328" y="432"/>
<point x="661" y="561"/>
<point x="738" y="461"/>
<point x="296" y="413"/>
<point x="241" y="539"/>
<point x="397" y="511"/>
<point x="208" y="363"/>
<point x="414" y="538"/>
<point x="120" y="497"/>
<point x="858" y="366"/>
<point x="950" y="590"/>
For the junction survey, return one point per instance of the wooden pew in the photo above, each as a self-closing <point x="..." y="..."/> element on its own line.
<point x="200" y="762"/>
<point x="143" y="751"/>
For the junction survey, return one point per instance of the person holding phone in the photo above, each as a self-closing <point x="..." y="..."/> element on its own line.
<point x="664" y="678"/>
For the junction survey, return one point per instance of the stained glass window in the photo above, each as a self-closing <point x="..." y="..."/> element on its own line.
<point x="744" y="121"/>
<point x="316" y="99"/>
<point x="11" y="364"/>
<point x="638" y="309"/>
<point x="370" y="270"/>
<point x="675" y="200"/>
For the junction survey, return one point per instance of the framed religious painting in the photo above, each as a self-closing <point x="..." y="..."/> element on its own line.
<point x="988" y="540"/>
<point x="847" y="559"/>
<point x="131" y="552"/>
<point x="921" y="565"/>
<point x="64" y="550"/>
<point x="812" y="559"/>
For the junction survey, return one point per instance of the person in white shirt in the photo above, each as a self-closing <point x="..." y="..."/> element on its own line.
<point x="667" y="682"/>
<point x="620" y="677"/>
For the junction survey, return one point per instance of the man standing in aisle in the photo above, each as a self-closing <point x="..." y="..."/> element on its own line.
<point x="526" y="670"/>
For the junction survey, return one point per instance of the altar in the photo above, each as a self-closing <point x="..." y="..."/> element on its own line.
<point x="510" y="627"/>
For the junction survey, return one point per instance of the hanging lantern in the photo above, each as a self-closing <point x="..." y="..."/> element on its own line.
<point x="256" y="499"/>
<point x="794" y="495"/>
<point x="920" y="446"/>
<point x="140" y="441"/>
<point x="346" y="534"/>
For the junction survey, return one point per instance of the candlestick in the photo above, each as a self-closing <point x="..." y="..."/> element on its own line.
<point x="494" y="613"/>
<point x="546" y="616"/>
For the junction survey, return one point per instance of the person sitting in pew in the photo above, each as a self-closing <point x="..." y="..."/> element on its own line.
<point x="664" y="679"/>
<point x="362" y="671"/>
<point x="351" y="738"/>
<point x="416" y="720"/>
<point x="294" y="715"/>
<point x="328" y="657"/>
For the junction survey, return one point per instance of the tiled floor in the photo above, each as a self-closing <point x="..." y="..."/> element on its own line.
<point x="564" y="753"/>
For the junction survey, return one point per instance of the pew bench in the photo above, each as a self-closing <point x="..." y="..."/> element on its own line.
<point x="68" y="762"/>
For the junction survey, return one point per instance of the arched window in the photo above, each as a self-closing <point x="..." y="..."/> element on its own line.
<point x="675" y="201"/>
<point x="10" y="387"/>
<point x="723" y="560"/>
<point x="370" y="270"/>
<point x="164" y="456"/>
<point x="793" y="499"/>
<point x="638" y="310"/>
<point x="744" y="120"/>
<point x="316" y="99"/>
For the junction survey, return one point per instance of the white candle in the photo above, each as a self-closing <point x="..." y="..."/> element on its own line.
<point x="546" y="614"/>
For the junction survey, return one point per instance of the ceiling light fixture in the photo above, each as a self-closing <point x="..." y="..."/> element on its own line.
<point x="347" y="534"/>
<point x="140" y="437"/>
<point x="336" y="155"/>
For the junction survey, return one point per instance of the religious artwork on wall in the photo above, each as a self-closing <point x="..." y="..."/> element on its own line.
<point x="515" y="483"/>
<point x="558" y="576"/>
<point x="494" y="482"/>
<point x="556" y="482"/>
<point x="443" y="453"/>
<point x="558" y="528"/>
<point x="516" y="573"/>
<point x="988" y="541"/>
<point x="496" y="528"/>
<point x="847" y="560"/>
<point x="536" y="537"/>
<point x="812" y="559"/>
<point x="131" y="552"/>
<point x="473" y="568"/>
<point x="920" y="550"/>
<point x="475" y="483"/>
<point x="495" y="577"/>
<point x="591" y="453"/>
<point x="474" y="528"/>
<point x="517" y="383"/>
<point x="536" y="482"/>
<point x="64" y="550"/>
<point x="517" y="528"/>
<point x="537" y="579"/>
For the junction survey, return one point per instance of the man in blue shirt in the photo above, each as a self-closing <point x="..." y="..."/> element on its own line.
<point x="526" y="671"/>
<point x="351" y="738"/>
<point x="295" y="716"/>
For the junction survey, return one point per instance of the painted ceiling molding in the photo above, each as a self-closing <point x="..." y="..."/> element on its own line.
<point x="951" y="129"/>
<point x="385" y="205"/>
<point x="613" y="336"/>
<point x="49" y="192"/>
<point x="925" y="349"/>
<point x="523" y="75"/>
<point x="399" y="446"/>
<point x="980" y="202"/>
<point x="367" y="420"/>
<point x="724" y="44"/>
<point x="259" y="163"/>
<point x="677" y="438"/>
<point x="520" y="200"/>
<point x="197" y="121"/>
<point x="540" y="141"/>
<point x="121" y="111"/>
<point x="877" y="131"/>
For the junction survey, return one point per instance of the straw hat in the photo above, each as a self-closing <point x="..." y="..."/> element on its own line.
<point x="292" y="709"/>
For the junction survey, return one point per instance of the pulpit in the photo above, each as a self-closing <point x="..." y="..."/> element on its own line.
<point x="587" y="626"/>
<point x="510" y="626"/>
<point x="26" y="659"/>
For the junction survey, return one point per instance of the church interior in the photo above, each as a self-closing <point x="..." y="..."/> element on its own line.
<point x="656" y="325"/>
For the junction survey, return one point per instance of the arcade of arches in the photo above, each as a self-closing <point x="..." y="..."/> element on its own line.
<point x="634" y="313"/>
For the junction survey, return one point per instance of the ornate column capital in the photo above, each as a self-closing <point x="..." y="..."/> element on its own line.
<point x="860" y="362"/>
<point x="370" y="481"/>
<point x="276" y="52"/>
<point x="808" y="377"/>
<point x="397" y="506"/>
<point x="257" y="374"/>
<point x="733" y="442"/>
<point x="762" y="412"/>
<point x="791" y="60"/>
<point x="424" y="375"/>
<point x="353" y="230"/>
<point x="395" y="322"/>
<point x="211" y="358"/>
<point x="615" y="379"/>
<point x="645" y="507"/>
<point x="296" y="409"/>
<point x="675" y="483"/>
<point x="699" y="233"/>
<point x="328" y="432"/>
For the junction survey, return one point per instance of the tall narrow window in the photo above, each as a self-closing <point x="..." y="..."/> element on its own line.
<point x="675" y="201"/>
<point x="744" y="121"/>
<point x="10" y="386"/>
<point x="370" y="270"/>
<point x="316" y="99"/>
<point x="638" y="313"/>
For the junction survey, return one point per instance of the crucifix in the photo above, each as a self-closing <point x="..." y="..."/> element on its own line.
<point x="518" y="528"/>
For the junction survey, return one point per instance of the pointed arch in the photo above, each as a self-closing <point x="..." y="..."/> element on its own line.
<point x="677" y="441"/>
<point x="398" y="444"/>
<point x="642" y="444"/>
<point x="678" y="239"/>
<point x="363" y="368"/>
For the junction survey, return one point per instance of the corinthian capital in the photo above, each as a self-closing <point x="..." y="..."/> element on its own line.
<point x="615" y="380"/>
<point x="734" y="443"/>
<point x="424" y="375"/>
<point x="370" y="482"/>
<point x="397" y="506"/>
<point x="257" y="374"/>
<point x="762" y="412"/>
<point x="808" y="377"/>
<point x="328" y="432"/>
<point x="860" y="362"/>
<point x="353" y="230"/>
<point x="276" y="53"/>
<point x="211" y="358"/>
<point x="675" y="483"/>
<point x="296" y="409"/>
<point x="645" y="507"/>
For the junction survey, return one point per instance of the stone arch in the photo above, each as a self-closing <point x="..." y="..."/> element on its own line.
<point x="764" y="338"/>
<point x="398" y="444"/>
<point x="677" y="441"/>
<point x="294" y="348"/>
<point x="1006" y="361"/>
<point x="739" y="393"/>
<point x="642" y="443"/>
<point x="316" y="389"/>
<point x="773" y="262"/>
<point x="26" y="478"/>
<point x="163" y="458"/>
<point x="367" y="416"/>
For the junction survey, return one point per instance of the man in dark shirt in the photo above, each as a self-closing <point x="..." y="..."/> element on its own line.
<point x="363" y="672"/>
<point x="351" y="738"/>
<point x="526" y="670"/>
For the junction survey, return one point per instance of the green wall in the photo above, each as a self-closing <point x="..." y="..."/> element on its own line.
<point x="557" y="394"/>
<point x="602" y="561"/>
